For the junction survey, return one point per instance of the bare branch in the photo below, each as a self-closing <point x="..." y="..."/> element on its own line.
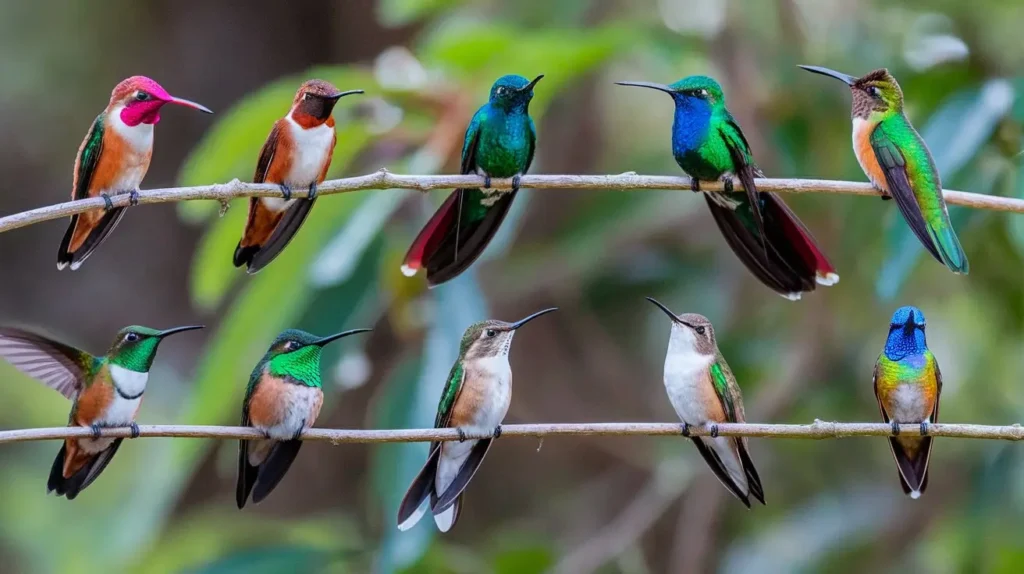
<point x="817" y="430"/>
<point x="384" y="179"/>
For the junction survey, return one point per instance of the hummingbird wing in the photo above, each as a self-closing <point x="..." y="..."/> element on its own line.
<point x="246" y="472"/>
<point x="743" y="162"/>
<point x="916" y="187"/>
<point x="78" y="244"/>
<point x="533" y="144"/>
<point x="56" y="365"/>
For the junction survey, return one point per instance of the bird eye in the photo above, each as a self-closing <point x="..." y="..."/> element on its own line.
<point x="141" y="96"/>
<point x="131" y="337"/>
<point x="700" y="330"/>
<point x="500" y="91"/>
<point x="491" y="332"/>
<point x="703" y="93"/>
<point x="874" y="91"/>
<point x="291" y="346"/>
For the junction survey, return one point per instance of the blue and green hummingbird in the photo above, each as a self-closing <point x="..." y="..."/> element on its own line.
<point x="106" y="391"/>
<point x="763" y="232"/>
<point x="499" y="142"/>
<point x="907" y="385"/>
<point x="475" y="400"/>
<point x="283" y="399"/>
<point x="897" y="161"/>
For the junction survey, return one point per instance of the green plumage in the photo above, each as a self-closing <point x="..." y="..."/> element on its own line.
<point x="92" y="147"/>
<point x="451" y="390"/>
<point x="303" y="365"/>
<point x="725" y="387"/>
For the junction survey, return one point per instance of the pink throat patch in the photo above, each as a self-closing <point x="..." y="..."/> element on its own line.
<point x="147" y="112"/>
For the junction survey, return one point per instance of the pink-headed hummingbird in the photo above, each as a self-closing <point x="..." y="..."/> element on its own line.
<point x="297" y="154"/>
<point x="105" y="391"/>
<point x="112" y="160"/>
<point x="475" y="400"/>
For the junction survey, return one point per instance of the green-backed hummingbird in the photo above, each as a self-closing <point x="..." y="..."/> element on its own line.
<point x="475" y="400"/>
<point x="105" y="392"/>
<point x="283" y="398"/>
<point x="907" y="385"/>
<point x="703" y="391"/>
<point x="499" y="142"/>
<point x="897" y="161"/>
<point x="763" y="232"/>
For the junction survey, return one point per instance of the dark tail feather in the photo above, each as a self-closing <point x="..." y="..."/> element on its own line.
<point x="274" y="468"/>
<point x="421" y="488"/>
<point x="790" y="230"/>
<point x="753" y="480"/>
<point x="454" y="238"/>
<point x="286" y="229"/>
<point x="247" y="474"/>
<point x="913" y="471"/>
<point x="711" y="457"/>
<point x="56" y="480"/>
<point x="469" y="468"/>
<point x="70" y="487"/>
<point x="96" y="236"/>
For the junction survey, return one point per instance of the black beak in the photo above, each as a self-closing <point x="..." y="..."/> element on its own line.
<point x="530" y="86"/>
<point x="324" y="340"/>
<point x="339" y="95"/>
<point x="651" y="85"/>
<point x="174" y="330"/>
<point x="526" y="320"/>
<point x="665" y="309"/>
<point x="848" y="80"/>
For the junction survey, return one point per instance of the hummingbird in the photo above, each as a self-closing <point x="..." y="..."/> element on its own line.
<point x="475" y="400"/>
<point x="703" y="391"/>
<point x="105" y="392"/>
<point x="499" y="142"/>
<point x="907" y="385"/>
<point x="297" y="153"/>
<point x="282" y="400"/>
<point x="765" y="234"/>
<point x="112" y="160"/>
<point x="898" y="163"/>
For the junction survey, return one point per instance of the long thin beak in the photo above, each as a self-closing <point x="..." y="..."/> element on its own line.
<point x="340" y="95"/>
<point x="174" y="330"/>
<point x="667" y="311"/>
<point x="526" y="320"/>
<point x="651" y="85"/>
<point x="336" y="336"/>
<point x="190" y="104"/>
<point x="846" y="79"/>
<point x="530" y="86"/>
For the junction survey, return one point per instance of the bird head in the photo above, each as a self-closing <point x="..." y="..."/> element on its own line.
<point x="140" y="100"/>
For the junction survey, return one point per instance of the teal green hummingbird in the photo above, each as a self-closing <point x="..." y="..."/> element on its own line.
<point x="475" y="400"/>
<point x="897" y="161"/>
<point x="703" y="391"/>
<point x="765" y="234"/>
<point x="283" y="399"/>
<point x="105" y="391"/>
<point x="907" y="385"/>
<point x="499" y="142"/>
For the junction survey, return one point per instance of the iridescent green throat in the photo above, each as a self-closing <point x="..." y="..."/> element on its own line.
<point x="302" y="365"/>
<point x="137" y="356"/>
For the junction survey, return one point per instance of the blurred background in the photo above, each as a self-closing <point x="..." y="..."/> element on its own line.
<point x="630" y="505"/>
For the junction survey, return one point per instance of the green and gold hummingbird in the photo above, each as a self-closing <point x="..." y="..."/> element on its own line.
<point x="897" y="161"/>
<point x="475" y="400"/>
<point x="703" y="391"/>
<point x="283" y="399"/>
<point x="105" y="392"/>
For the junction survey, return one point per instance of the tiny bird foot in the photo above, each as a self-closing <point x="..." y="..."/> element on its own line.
<point x="886" y="196"/>
<point x="516" y="180"/>
<point x="686" y="430"/>
<point x="133" y="197"/>
<point x="286" y="192"/>
<point x="727" y="183"/>
<point x="895" y="428"/>
<point x="96" y="431"/>
<point x="107" y="203"/>
<point x="298" y="433"/>
<point x="497" y="432"/>
<point x="924" y="428"/>
<point x="135" y="429"/>
<point x="487" y="182"/>
<point x="713" y="430"/>
<point x="694" y="185"/>
<point x="312" y="191"/>
<point x="461" y="433"/>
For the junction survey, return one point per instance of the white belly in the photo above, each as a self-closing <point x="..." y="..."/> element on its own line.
<point x="296" y="412"/>
<point x="312" y="147"/>
<point x="684" y="376"/>
<point x="908" y="405"/>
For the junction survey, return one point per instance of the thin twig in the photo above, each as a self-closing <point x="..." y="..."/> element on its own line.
<point x="384" y="179"/>
<point x="816" y="430"/>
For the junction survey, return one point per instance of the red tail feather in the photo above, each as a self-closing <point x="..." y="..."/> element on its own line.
<point x="803" y="241"/>
<point x="431" y="235"/>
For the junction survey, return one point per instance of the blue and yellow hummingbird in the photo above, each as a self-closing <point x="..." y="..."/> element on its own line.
<point x="907" y="385"/>
<point x="499" y="142"/>
<point x="763" y="232"/>
<point x="475" y="400"/>
<point x="897" y="161"/>
<point x="283" y="398"/>
<point x="105" y="391"/>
